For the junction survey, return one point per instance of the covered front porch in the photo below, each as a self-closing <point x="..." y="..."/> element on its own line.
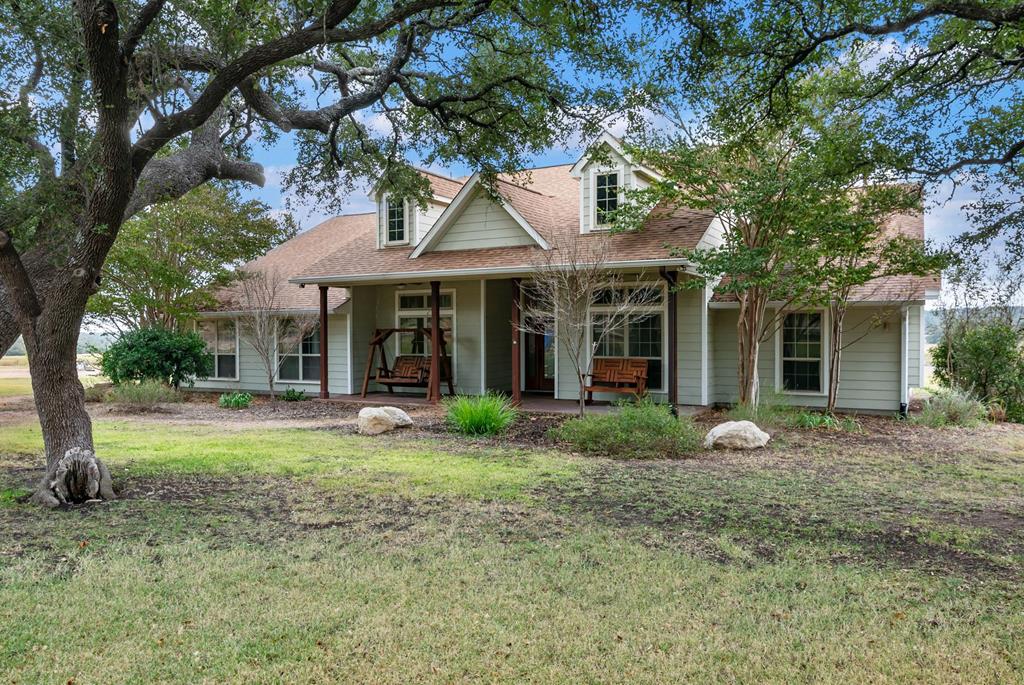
<point x="490" y="348"/>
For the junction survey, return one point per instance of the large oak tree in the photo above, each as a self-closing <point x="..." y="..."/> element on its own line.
<point x="107" y="107"/>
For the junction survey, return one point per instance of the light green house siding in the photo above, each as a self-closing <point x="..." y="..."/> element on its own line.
<point x="869" y="367"/>
<point x="252" y="375"/>
<point x="482" y="224"/>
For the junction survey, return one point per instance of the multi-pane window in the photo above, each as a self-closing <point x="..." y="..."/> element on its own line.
<point x="606" y="201"/>
<point x="414" y="313"/>
<point x="221" y="338"/>
<point x="637" y="334"/>
<point x="802" y="352"/>
<point x="396" y="221"/>
<point x="298" y="355"/>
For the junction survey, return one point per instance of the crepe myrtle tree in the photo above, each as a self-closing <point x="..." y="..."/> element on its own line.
<point x="264" y="324"/>
<point x="793" y="193"/>
<point x="108" y="107"/>
<point x="566" y="281"/>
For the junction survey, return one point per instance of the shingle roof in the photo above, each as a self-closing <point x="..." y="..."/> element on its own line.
<point x="291" y="257"/>
<point x="445" y="186"/>
<point x="548" y="198"/>
<point x="890" y="288"/>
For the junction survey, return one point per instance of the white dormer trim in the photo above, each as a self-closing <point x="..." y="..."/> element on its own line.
<point x="611" y="141"/>
<point x="454" y="210"/>
<point x="596" y="171"/>
<point x="408" y="217"/>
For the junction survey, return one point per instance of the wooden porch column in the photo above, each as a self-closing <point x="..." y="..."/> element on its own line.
<point x="324" y="393"/>
<point x="517" y="395"/>
<point x="673" y="353"/>
<point x="434" y="383"/>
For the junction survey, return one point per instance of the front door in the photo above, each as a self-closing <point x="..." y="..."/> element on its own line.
<point x="540" y="361"/>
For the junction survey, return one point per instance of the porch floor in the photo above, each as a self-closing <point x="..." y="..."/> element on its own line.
<point x="536" y="404"/>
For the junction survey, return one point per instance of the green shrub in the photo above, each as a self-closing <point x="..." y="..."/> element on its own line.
<point x="951" y="408"/>
<point x="235" y="400"/>
<point x="641" y="430"/>
<point x="987" y="363"/>
<point x="488" y="414"/>
<point x="293" y="395"/>
<point x="157" y="354"/>
<point x="142" y="394"/>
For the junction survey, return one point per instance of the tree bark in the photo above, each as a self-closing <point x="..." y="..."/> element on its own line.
<point x="748" y="332"/>
<point x="835" y="345"/>
<point x="51" y="341"/>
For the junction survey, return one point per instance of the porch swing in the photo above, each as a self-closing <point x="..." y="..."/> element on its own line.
<point x="410" y="371"/>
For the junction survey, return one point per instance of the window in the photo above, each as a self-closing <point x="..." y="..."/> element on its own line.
<point x="802" y="352"/>
<point x="298" y="356"/>
<point x="414" y="312"/>
<point x="396" y="221"/>
<point x="640" y="334"/>
<point x="221" y="338"/>
<point x="606" y="197"/>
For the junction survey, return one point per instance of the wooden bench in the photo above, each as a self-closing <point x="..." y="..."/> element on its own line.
<point x="619" y="375"/>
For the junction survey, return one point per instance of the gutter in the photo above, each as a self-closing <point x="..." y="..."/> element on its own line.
<point x="399" y="276"/>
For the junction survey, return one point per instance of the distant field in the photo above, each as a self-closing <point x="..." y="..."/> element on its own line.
<point x="14" y="387"/>
<point x="14" y="362"/>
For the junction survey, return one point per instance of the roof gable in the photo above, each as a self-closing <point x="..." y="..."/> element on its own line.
<point x="474" y="220"/>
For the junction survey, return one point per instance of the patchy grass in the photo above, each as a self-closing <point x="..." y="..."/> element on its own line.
<point x="411" y="468"/>
<point x="314" y="556"/>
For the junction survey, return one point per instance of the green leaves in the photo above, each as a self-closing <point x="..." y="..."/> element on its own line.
<point x="157" y="354"/>
<point x="167" y="260"/>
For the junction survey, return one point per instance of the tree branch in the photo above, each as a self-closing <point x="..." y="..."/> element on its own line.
<point x="16" y="280"/>
<point x="136" y="31"/>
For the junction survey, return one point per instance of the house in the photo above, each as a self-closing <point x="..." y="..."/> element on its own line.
<point x="462" y="260"/>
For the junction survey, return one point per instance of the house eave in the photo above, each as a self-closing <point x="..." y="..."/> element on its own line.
<point x="493" y="272"/>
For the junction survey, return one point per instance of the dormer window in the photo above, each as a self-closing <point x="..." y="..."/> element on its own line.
<point x="606" y="197"/>
<point x="397" y="228"/>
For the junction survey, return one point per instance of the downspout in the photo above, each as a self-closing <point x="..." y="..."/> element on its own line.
<point x="673" y="356"/>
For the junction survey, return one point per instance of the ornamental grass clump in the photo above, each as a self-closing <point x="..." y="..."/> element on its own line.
<point x="488" y="414"/>
<point x="635" y="430"/>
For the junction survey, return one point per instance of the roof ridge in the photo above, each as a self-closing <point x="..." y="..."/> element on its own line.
<point x="524" y="188"/>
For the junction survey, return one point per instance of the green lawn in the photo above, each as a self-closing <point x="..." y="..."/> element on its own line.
<point x="313" y="556"/>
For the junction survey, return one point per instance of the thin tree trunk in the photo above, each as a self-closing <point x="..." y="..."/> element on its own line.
<point x="835" y="344"/>
<point x="748" y="332"/>
<point x="583" y="396"/>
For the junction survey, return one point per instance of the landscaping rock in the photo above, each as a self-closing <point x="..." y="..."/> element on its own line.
<point x="400" y="417"/>
<point x="736" y="435"/>
<point x="377" y="420"/>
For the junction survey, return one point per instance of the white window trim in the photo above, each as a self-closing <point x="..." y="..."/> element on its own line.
<point x="406" y="218"/>
<point x="594" y="173"/>
<point x="661" y="308"/>
<point x="238" y="358"/>
<point x="825" y="334"/>
<point x="399" y="312"/>
<point x="277" y="361"/>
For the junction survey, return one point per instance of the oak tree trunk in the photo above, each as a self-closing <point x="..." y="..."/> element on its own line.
<point x="52" y="344"/>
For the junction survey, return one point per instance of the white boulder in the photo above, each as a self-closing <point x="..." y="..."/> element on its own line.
<point x="377" y="420"/>
<point x="736" y="435"/>
<point x="399" y="416"/>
